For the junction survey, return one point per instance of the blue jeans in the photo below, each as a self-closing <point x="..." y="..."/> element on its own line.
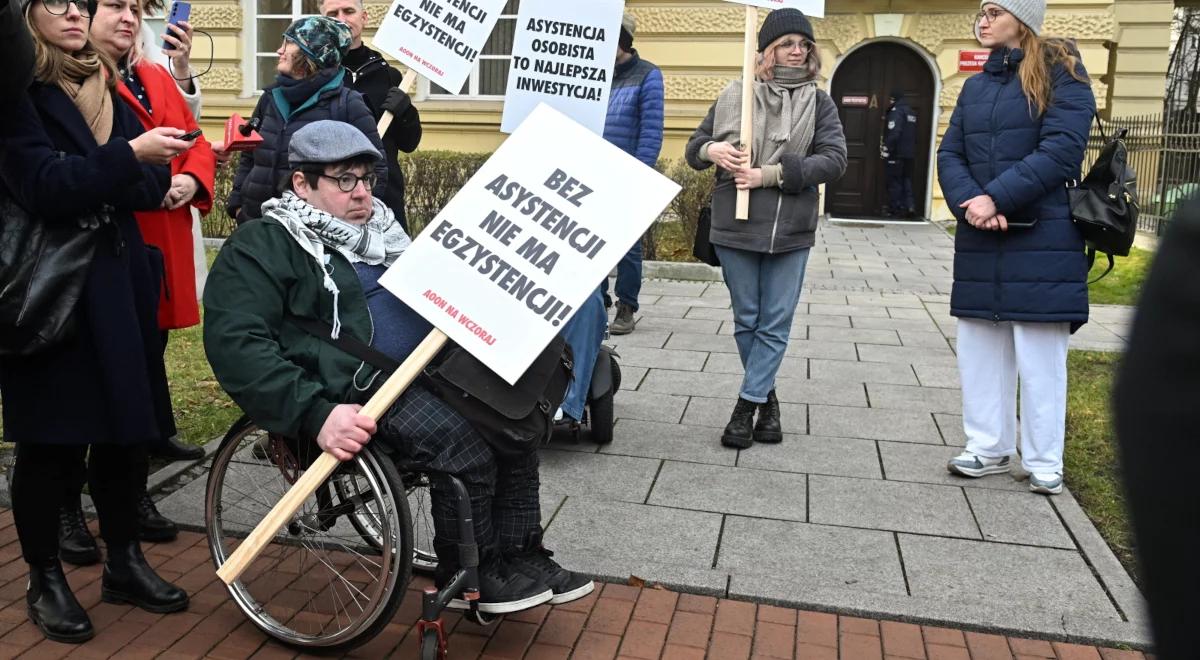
<point x="584" y="332"/>
<point x="629" y="278"/>
<point x="764" y="289"/>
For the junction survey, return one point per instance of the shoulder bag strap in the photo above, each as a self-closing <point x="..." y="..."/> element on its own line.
<point x="351" y="346"/>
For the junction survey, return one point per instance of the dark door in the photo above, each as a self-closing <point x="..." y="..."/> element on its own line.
<point x="860" y="90"/>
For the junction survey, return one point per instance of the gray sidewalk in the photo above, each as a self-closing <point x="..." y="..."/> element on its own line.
<point x="854" y="512"/>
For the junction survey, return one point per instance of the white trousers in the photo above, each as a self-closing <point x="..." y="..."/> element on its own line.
<point x="992" y="358"/>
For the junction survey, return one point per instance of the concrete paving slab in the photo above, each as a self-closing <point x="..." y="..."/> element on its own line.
<point x="873" y="424"/>
<point x="951" y="427"/>
<point x="697" y="444"/>
<point x="924" y="339"/>
<point x="844" y="457"/>
<point x="894" y="324"/>
<point x="906" y="355"/>
<point x="677" y="324"/>
<point x="892" y="505"/>
<point x="711" y="343"/>
<point x="637" y="356"/>
<point x="903" y="461"/>
<point x="849" y="310"/>
<point x="614" y="478"/>
<point x="916" y="314"/>
<point x="714" y="415"/>
<point x="1013" y="576"/>
<point x="1024" y="518"/>
<point x="650" y="406"/>
<point x="935" y="376"/>
<point x="667" y="288"/>
<point x="826" y="350"/>
<point x="731" y="363"/>
<point x="904" y="397"/>
<point x="644" y="337"/>
<point x="631" y="376"/>
<point x="732" y="490"/>
<point x="862" y="372"/>
<point x="821" y="320"/>
<point x="620" y="539"/>
<point x="856" y="335"/>
<point x="758" y="552"/>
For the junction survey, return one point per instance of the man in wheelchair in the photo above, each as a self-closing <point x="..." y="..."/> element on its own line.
<point x="317" y="255"/>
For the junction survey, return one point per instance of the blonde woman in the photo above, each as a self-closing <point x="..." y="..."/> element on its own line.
<point x="1016" y="137"/>
<point x="102" y="391"/>
<point x="798" y="145"/>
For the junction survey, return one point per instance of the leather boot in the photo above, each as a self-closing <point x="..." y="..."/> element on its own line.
<point x="768" y="429"/>
<point x="129" y="579"/>
<point x="75" y="542"/>
<point x="174" y="450"/>
<point x="739" y="432"/>
<point x="52" y="606"/>
<point x="155" y="527"/>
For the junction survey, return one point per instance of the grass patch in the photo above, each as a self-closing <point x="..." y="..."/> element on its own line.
<point x="1123" y="285"/>
<point x="1092" y="469"/>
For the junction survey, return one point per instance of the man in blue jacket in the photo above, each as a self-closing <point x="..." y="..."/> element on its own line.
<point x="899" y="144"/>
<point x="635" y="124"/>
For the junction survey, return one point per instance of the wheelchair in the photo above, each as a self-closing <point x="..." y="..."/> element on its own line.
<point x="335" y="575"/>
<point x="598" y="412"/>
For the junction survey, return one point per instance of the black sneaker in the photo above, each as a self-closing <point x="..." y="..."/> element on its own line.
<point x="503" y="590"/>
<point x="535" y="561"/>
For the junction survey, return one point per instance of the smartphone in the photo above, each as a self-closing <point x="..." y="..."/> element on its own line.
<point x="180" y="11"/>
<point x="188" y="137"/>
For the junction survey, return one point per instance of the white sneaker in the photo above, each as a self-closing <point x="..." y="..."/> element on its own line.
<point x="1046" y="484"/>
<point x="968" y="464"/>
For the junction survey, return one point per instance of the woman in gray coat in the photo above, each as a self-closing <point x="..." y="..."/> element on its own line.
<point x="798" y="144"/>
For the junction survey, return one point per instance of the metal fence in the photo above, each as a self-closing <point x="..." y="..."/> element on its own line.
<point x="1164" y="151"/>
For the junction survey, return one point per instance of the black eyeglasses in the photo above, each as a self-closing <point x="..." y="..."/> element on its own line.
<point x="347" y="182"/>
<point x="61" y="7"/>
<point x="990" y="14"/>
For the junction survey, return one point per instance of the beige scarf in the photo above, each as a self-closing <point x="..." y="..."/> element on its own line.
<point x="85" y="82"/>
<point x="785" y="112"/>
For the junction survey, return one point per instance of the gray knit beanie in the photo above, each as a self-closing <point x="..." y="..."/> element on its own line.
<point x="1030" y="12"/>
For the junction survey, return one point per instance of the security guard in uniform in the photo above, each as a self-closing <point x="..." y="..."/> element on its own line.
<point x="898" y="144"/>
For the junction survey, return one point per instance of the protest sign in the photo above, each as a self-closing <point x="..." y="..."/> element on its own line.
<point x="529" y="237"/>
<point x="809" y="7"/>
<point x="563" y="56"/>
<point x="439" y="39"/>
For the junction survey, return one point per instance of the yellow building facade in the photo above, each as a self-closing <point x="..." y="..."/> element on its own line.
<point x="868" y="47"/>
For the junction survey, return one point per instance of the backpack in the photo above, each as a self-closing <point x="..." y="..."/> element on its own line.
<point x="1104" y="205"/>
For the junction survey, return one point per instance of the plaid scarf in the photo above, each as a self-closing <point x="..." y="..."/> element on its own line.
<point x="785" y="115"/>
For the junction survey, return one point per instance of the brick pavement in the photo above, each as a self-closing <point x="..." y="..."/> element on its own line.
<point x="617" y="621"/>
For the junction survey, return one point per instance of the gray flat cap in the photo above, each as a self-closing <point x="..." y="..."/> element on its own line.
<point x="328" y="141"/>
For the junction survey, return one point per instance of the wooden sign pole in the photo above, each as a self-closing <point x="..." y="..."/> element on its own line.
<point x="742" y="211"/>
<point x="323" y="467"/>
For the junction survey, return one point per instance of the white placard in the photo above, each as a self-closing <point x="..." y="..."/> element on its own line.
<point x="439" y="39"/>
<point x="563" y="56"/>
<point x="527" y="239"/>
<point x="814" y="8"/>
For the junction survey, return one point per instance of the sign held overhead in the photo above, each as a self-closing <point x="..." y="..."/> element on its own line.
<point x="439" y="39"/>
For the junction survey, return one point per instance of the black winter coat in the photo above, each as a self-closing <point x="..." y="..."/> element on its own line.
<point x="262" y="173"/>
<point x="16" y="51"/>
<point x="994" y="146"/>
<point x="900" y="138"/>
<point x="107" y="383"/>
<point x="371" y="76"/>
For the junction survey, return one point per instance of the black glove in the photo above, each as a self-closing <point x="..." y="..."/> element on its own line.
<point x="397" y="102"/>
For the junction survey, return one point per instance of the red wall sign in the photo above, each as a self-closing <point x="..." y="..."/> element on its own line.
<point x="972" y="61"/>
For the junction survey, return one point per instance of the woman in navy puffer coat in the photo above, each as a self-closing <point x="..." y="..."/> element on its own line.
<point x="1017" y="136"/>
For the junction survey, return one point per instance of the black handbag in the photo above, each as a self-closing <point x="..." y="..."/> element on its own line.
<point x="1104" y="205"/>
<point x="702" y="249"/>
<point x="43" y="267"/>
<point x="513" y="419"/>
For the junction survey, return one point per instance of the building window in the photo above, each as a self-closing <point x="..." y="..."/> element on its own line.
<point x="265" y="33"/>
<point x="489" y="78"/>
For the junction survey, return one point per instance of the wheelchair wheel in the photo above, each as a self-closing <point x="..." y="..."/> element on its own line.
<point x="601" y="410"/>
<point x="321" y="585"/>
<point x="417" y="486"/>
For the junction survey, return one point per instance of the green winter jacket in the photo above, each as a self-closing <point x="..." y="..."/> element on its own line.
<point x="285" y="379"/>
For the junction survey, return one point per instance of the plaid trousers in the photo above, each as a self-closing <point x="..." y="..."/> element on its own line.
<point x="503" y="490"/>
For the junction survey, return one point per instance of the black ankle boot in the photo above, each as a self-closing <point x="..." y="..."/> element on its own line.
<point x="52" y="606"/>
<point x="75" y="542"/>
<point x="739" y="432"/>
<point x="129" y="579"/>
<point x="768" y="429"/>
<point x="155" y="527"/>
